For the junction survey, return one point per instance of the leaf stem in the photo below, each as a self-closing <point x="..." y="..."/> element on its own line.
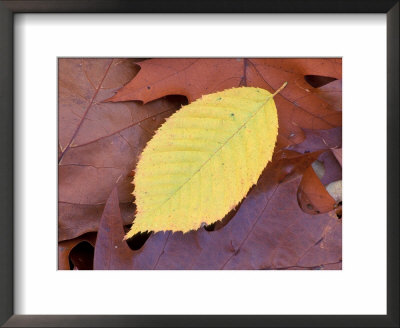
<point x="280" y="89"/>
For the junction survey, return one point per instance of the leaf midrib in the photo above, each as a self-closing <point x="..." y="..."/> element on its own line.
<point x="89" y="106"/>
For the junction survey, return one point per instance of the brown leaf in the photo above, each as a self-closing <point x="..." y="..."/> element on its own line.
<point x="99" y="142"/>
<point x="269" y="231"/>
<point x="312" y="195"/>
<point x="82" y="218"/>
<point x="111" y="248"/>
<point x="318" y="140"/>
<point x="333" y="170"/>
<point x="299" y="105"/>
<point x="332" y="94"/>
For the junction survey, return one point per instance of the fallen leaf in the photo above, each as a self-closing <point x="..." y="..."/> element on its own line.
<point x="333" y="169"/>
<point x="312" y="195"/>
<point x="299" y="106"/>
<point x="204" y="159"/>
<point x="99" y="142"/>
<point x="331" y="93"/>
<point x="110" y="244"/>
<point x="77" y="219"/>
<point x="319" y="140"/>
<point x="269" y="231"/>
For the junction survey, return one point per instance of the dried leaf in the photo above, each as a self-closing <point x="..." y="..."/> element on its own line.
<point x="300" y="105"/>
<point x="269" y="231"/>
<point x="110" y="246"/>
<point x="99" y="142"/>
<point x="312" y="195"/>
<point x="332" y="94"/>
<point x="319" y="140"/>
<point x="333" y="169"/>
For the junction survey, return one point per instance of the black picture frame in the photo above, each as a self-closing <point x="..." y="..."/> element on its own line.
<point x="8" y="201"/>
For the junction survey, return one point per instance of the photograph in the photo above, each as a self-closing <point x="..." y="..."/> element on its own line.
<point x="199" y="163"/>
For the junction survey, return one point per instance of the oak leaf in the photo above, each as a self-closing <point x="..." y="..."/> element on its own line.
<point x="300" y="105"/>
<point x="331" y="93"/>
<point x="313" y="197"/>
<point x="269" y="231"/>
<point x="110" y="249"/>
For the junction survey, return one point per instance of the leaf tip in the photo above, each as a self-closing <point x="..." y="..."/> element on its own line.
<point x="111" y="99"/>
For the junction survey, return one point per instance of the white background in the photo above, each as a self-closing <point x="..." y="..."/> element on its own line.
<point x="360" y="288"/>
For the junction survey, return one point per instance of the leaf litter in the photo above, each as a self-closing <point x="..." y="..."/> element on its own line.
<point x="101" y="143"/>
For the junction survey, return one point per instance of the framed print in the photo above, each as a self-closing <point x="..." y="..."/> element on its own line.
<point x="189" y="240"/>
<point x="182" y="165"/>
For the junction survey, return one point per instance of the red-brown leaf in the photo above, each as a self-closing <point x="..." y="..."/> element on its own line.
<point x="312" y="195"/>
<point x="299" y="105"/>
<point x="99" y="142"/>
<point x="111" y="249"/>
<point x="333" y="169"/>
<point x="318" y="140"/>
<point x="269" y="231"/>
<point x="332" y="94"/>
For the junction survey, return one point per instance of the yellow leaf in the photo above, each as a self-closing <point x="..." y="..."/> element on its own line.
<point x="203" y="160"/>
